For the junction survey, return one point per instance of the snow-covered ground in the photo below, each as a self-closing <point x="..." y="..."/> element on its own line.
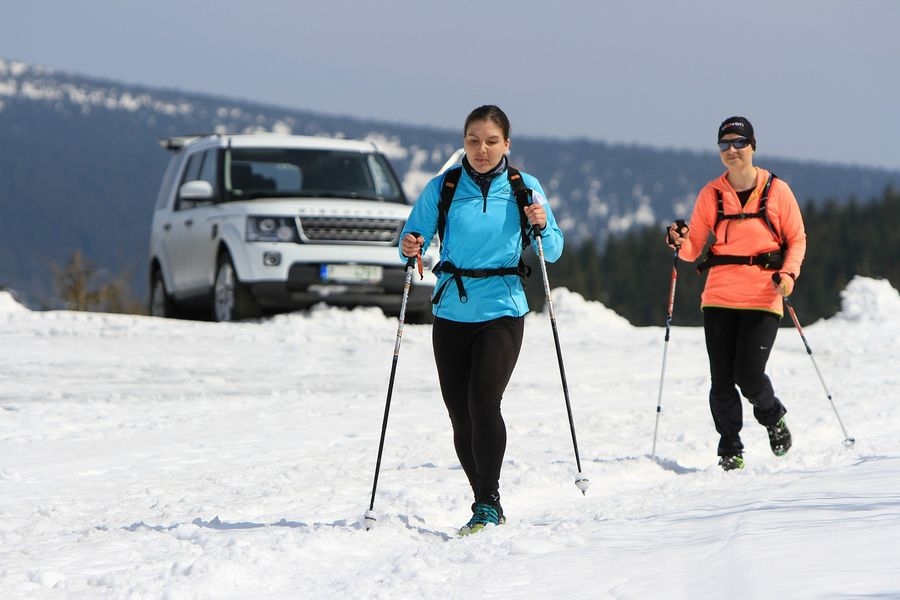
<point x="150" y="458"/>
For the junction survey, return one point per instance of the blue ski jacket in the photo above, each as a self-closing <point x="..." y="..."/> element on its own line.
<point x="481" y="233"/>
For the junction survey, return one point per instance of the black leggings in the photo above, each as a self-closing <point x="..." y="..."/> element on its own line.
<point x="474" y="364"/>
<point x="738" y="343"/>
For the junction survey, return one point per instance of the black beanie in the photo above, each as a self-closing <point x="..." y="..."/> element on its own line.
<point x="740" y="126"/>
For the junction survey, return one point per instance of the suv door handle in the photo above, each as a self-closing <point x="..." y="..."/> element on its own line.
<point x="167" y="226"/>
<point x="188" y="222"/>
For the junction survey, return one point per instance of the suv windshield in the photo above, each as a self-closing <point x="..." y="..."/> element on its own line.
<point x="279" y="172"/>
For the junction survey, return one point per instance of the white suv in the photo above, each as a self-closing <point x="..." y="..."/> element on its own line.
<point x="246" y="225"/>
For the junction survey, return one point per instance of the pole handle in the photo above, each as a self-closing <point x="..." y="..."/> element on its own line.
<point x="535" y="230"/>
<point x="417" y="259"/>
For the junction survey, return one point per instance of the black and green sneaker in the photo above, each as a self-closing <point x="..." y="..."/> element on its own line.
<point x="483" y="514"/>
<point x="729" y="463"/>
<point x="779" y="437"/>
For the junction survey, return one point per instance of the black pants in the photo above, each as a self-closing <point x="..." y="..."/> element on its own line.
<point x="738" y="343"/>
<point x="474" y="363"/>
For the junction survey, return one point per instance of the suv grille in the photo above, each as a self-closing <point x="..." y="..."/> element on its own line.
<point x="349" y="229"/>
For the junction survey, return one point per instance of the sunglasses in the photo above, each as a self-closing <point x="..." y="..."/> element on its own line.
<point x="738" y="143"/>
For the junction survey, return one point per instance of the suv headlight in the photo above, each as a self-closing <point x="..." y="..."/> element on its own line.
<point x="272" y="229"/>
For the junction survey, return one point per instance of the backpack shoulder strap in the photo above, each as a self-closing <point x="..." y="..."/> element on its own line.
<point x="523" y="199"/>
<point x="720" y="209"/>
<point x="762" y="213"/>
<point x="763" y="206"/>
<point x="767" y="260"/>
<point x="448" y="188"/>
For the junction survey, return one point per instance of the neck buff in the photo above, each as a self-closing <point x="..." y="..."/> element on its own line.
<point x="484" y="179"/>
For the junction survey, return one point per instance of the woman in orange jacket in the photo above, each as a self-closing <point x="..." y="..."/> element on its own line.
<point x="753" y="261"/>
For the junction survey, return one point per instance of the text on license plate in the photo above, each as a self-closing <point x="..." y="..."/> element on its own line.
<point x="351" y="273"/>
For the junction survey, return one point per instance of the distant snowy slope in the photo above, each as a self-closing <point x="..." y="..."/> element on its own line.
<point x="80" y="157"/>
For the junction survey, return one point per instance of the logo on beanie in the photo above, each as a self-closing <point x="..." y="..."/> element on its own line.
<point x="739" y="125"/>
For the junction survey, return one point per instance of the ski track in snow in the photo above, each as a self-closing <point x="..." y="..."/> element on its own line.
<point x="149" y="458"/>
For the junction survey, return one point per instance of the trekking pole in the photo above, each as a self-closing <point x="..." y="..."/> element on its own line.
<point x="669" y="311"/>
<point x="848" y="441"/>
<point x="369" y="516"/>
<point x="581" y="482"/>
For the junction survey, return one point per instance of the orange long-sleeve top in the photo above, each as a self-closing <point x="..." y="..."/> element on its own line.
<point x="745" y="286"/>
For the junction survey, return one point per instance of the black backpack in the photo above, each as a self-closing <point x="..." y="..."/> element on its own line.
<point x="448" y="189"/>
<point x="767" y="260"/>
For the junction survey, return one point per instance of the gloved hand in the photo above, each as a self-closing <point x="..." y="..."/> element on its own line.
<point x="784" y="283"/>
<point x="676" y="232"/>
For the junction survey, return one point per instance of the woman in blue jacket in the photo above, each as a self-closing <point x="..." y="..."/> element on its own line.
<point x="479" y="303"/>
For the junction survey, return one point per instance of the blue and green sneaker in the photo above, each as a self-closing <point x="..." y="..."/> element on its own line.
<point x="483" y="514"/>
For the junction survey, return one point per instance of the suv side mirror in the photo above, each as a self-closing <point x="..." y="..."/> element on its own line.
<point x="196" y="190"/>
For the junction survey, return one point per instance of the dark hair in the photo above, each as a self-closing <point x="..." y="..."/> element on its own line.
<point x="492" y="113"/>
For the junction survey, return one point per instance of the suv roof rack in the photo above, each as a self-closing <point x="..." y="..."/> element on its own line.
<point x="177" y="142"/>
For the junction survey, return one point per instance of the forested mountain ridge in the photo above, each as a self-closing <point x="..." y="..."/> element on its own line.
<point x="80" y="167"/>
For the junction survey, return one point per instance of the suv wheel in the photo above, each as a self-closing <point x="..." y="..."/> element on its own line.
<point x="232" y="300"/>
<point x="161" y="304"/>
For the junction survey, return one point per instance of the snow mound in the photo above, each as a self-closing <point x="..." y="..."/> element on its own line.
<point x="9" y="304"/>
<point x="572" y="307"/>
<point x="866" y="299"/>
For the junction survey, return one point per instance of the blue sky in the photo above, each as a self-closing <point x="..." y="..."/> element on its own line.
<point x="818" y="78"/>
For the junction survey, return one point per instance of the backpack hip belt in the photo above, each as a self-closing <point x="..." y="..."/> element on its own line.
<point x="522" y="270"/>
<point x="772" y="261"/>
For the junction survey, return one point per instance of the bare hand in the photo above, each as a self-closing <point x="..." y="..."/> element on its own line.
<point x="536" y="215"/>
<point x="784" y="283"/>
<point x="676" y="233"/>
<point x="411" y="245"/>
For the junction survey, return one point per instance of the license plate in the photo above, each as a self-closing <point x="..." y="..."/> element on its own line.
<point x="351" y="273"/>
